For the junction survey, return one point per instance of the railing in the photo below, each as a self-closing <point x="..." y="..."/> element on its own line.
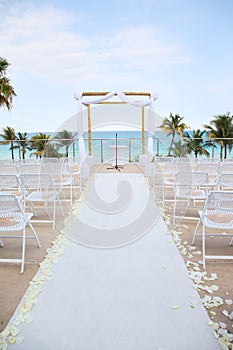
<point x="101" y="148"/>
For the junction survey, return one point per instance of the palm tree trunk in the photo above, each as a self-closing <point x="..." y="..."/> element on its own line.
<point x="225" y="151"/>
<point x="170" y="148"/>
<point x="19" y="152"/>
<point x="12" y="150"/>
<point x="221" y="151"/>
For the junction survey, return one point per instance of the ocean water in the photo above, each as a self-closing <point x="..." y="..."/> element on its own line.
<point x="102" y="140"/>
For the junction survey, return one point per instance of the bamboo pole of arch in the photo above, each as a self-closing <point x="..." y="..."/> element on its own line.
<point x="89" y="130"/>
<point x="143" y="130"/>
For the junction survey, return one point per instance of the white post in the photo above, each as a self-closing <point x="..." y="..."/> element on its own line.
<point x="81" y="145"/>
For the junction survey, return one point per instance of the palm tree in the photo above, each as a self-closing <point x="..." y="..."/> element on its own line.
<point x="173" y="126"/>
<point x="196" y="144"/>
<point x="23" y="144"/>
<point x="9" y="136"/>
<point x="6" y="90"/>
<point x="66" y="139"/>
<point x="38" y="143"/>
<point x="221" y="129"/>
<point x="179" y="149"/>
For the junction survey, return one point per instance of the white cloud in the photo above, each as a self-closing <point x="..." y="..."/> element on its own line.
<point x="145" y="45"/>
<point x="43" y="40"/>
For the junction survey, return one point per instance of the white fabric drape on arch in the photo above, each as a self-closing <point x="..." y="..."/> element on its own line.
<point x="144" y="103"/>
<point x="81" y="145"/>
<point x="151" y="126"/>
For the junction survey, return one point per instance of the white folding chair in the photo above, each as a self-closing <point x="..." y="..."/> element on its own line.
<point x="49" y="160"/>
<point x="226" y="168"/>
<point x="13" y="219"/>
<point x="190" y="191"/>
<point x="61" y="176"/>
<point x="225" y="182"/>
<point x="26" y="161"/>
<point x="40" y="189"/>
<point x="28" y="168"/>
<point x="10" y="184"/>
<point x="8" y="169"/>
<point x="218" y="215"/>
<point x="169" y="179"/>
<point x="212" y="168"/>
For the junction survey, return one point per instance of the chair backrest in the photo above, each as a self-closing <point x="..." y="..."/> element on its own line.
<point x="210" y="160"/>
<point x="10" y="183"/>
<point x="28" y="168"/>
<point x="7" y="161"/>
<point x="210" y="168"/>
<point x="183" y="166"/>
<point x="70" y="160"/>
<point x="225" y="181"/>
<point x="9" y="203"/>
<point x="170" y="168"/>
<point x="26" y="161"/>
<point x="49" y="160"/>
<point x="8" y="169"/>
<point x="38" y="181"/>
<point x="182" y="159"/>
<point x="220" y="201"/>
<point x="164" y="159"/>
<point x="226" y="168"/>
<point x="54" y="170"/>
<point x="192" y="179"/>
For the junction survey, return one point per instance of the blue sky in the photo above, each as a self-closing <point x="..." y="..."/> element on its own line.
<point x="181" y="49"/>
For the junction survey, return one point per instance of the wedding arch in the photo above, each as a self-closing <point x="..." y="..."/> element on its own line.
<point x="147" y="99"/>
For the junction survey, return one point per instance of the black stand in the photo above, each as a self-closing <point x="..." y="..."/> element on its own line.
<point x="117" y="167"/>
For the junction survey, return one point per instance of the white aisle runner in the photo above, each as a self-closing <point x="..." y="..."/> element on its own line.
<point x="135" y="296"/>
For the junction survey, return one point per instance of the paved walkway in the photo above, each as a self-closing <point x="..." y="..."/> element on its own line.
<point x="124" y="296"/>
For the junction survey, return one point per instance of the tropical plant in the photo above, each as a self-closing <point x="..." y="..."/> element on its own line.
<point x="196" y="144"/>
<point x="179" y="149"/>
<point x="221" y="129"/>
<point x="23" y="143"/>
<point x="6" y="90"/>
<point x="9" y="137"/>
<point x="66" y="138"/>
<point x="173" y="126"/>
<point x="38" y="143"/>
<point x="51" y="150"/>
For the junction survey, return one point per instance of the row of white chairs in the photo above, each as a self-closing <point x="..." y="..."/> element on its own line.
<point x="167" y="172"/>
<point x="39" y="189"/>
<point x="62" y="174"/>
<point x="26" y="199"/>
<point x="165" y="159"/>
<point x="13" y="223"/>
<point x="70" y="160"/>
<point x="32" y="189"/>
<point x="203" y="196"/>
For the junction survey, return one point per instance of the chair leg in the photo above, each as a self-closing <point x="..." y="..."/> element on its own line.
<point x="203" y="245"/>
<point x="35" y="235"/>
<point x="231" y="242"/>
<point x="60" y="205"/>
<point x="54" y="213"/>
<point x="174" y="214"/>
<point x="23" y="250"/>
<point x="195" y="232"/>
